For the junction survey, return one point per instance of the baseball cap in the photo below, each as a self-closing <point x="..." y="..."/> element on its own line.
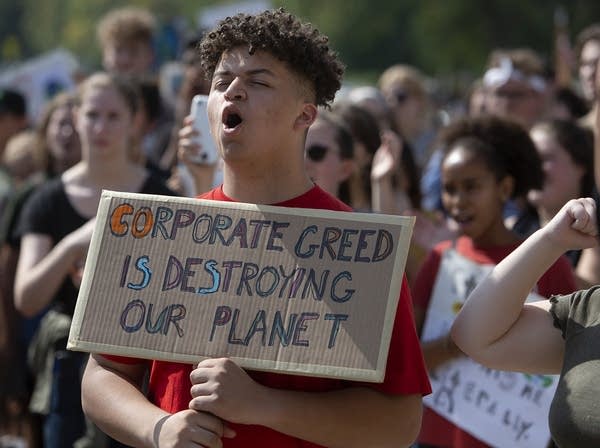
<point x="12" y="102"/>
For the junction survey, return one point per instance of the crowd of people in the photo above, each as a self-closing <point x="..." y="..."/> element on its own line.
<point x="494" y="185"/>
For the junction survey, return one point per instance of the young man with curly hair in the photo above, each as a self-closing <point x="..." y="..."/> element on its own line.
<point x="269" y="72"/>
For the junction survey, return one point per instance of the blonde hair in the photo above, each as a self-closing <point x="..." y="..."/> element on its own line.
<point x="124" y="86"/>
<point x="25" y="144"/>
<point x="407" y="76"/>
<point x="129" y="24"/>
<point x="525" y="60"/>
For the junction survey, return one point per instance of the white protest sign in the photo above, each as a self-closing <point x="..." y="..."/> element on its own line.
<point x="305" y="291"/>
<point x="40" y="78"/>
<point x="503" y="409"/>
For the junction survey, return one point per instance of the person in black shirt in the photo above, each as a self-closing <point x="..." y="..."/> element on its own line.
<point x="55" y="228"/>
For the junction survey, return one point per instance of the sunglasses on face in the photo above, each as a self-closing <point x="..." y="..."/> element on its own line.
<point x="401" y="96"/>
<point x="316" y="153"/>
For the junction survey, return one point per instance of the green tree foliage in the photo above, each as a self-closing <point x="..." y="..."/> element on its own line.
<point x="438" y="36"/>
<point x="366" y="36"/>
<point x="42" y="26"/>
<point x="11" y="45"/>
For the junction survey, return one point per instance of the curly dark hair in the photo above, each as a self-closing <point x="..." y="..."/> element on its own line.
<point x="504" y="146"/>
<point x="301" y="46"/>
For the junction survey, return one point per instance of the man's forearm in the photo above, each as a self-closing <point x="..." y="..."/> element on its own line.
<point x="118" y="407"/>
<point x="352" y="417"/>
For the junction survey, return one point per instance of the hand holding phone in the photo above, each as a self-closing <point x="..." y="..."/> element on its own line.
<point x="208" y="152"/>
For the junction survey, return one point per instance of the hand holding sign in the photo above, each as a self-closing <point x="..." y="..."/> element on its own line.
<point x="223" y="388"/>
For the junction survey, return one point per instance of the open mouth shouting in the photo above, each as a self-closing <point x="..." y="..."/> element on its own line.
<point x="463" y="220"/>
<point x="231" y="119"/>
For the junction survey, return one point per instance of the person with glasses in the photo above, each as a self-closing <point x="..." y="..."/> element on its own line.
<point x="329" y="155"/>
<point x="516" y="86"/>
<point x="269" y="73"/>
<point x="366" y="136"/>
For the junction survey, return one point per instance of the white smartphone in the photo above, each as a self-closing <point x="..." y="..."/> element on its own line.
<point x="208" y="152"/>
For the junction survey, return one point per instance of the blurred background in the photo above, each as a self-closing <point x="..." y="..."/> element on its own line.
<point x="413" y="68"/>
<point x="443" y="38"/>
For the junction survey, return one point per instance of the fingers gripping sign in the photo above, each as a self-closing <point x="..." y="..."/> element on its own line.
<point x="221" y="387"/>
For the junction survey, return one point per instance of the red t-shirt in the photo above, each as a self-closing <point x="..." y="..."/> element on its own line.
<point x="559" y="279"/>
<point x="169" y="386"/>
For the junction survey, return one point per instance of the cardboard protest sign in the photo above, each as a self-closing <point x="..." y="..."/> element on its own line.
<point x="499" y="408"/>
<point x="303" y="291"/>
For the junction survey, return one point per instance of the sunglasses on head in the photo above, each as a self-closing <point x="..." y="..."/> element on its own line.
<point x="316" y="153"/>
